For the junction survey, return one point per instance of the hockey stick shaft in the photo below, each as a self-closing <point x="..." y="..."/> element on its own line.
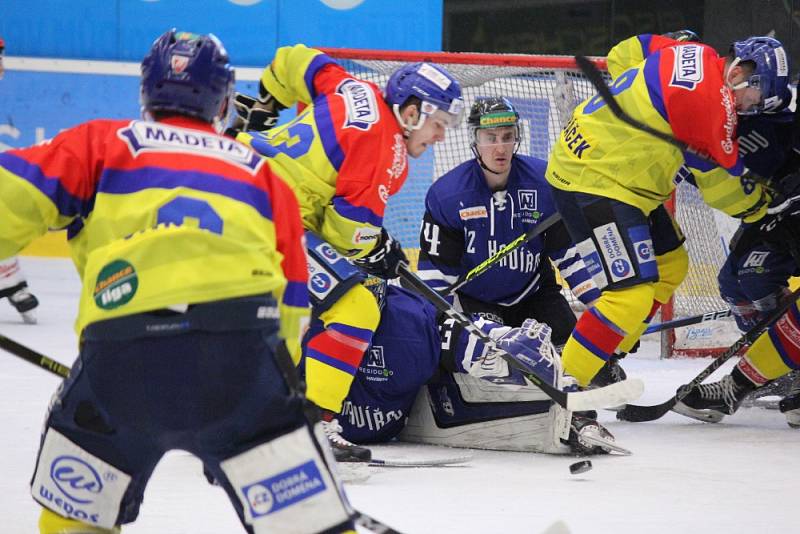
<point x="686" y="321"/>
<point x="637" y="414"/>
<point x="462" y="320"/>
<point x="504" y="251"/>
<point x="58" y="369"/>
<point x="596" y="78"/>
<point x="31" y="356"/>
<point x="583" y="400"/>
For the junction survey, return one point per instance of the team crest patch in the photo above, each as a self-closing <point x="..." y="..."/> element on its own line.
<point x="527" y="199"/>
<point x="688" y="69"/>
<point x="360" y="105"/>
<point x="473" y="212"/>
<point x="116" y="285"/>
<point x="178" y="63"/>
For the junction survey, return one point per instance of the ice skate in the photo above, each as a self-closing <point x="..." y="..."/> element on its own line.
<point x="711" y="402"/>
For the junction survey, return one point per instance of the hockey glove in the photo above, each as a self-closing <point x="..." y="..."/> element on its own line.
<point x="256" y="114"/>
<point x="384" y="259"/>
<point x="530" y="346"/>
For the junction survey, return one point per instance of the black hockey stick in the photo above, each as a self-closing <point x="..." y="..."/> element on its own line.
<point x="686" y="321"/>
<point x="639" y="414"/>
<point x="604" y="397"/>
<point x="596" y="77"/>
<point x="504" y="251"/>
<point x="30" y="355"/>
<point x="49" y="364"/>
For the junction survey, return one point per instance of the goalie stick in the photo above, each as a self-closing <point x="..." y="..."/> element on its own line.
<point x="29" y="355"/>
<point x="686" y="321"/>
<point x="604" y="397"/>
<point x="637" y="414"/>
<point x="504" y="251"/>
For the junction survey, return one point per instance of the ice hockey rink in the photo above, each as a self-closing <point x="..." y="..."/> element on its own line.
<point x="684" y="476"/>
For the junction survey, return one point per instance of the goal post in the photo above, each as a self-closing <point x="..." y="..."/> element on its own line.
<point x="545" y="89"/>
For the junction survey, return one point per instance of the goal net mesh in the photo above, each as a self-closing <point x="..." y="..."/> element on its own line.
<point x="544" y="90"/>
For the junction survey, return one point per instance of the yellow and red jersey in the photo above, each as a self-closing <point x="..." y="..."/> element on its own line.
<point x="159" y="214"/>
<point x="676" y="88"/>
<point x="344" y="154"/>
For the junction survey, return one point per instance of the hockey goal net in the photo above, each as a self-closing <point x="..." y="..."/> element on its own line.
<point x="545" y="90"/>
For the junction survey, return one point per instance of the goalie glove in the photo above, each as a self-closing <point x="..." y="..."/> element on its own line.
<point x="528" y="345"/>
<point x="255" y="114"/>
<point x="384" y="259"/>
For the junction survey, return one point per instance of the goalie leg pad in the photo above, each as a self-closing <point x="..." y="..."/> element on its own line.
<point x="459" y="410"/>
<point x="330" y="275"/>
<point x="285" y="485"/>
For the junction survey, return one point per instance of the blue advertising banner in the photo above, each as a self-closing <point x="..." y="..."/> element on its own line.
<point x="251" y="29"/>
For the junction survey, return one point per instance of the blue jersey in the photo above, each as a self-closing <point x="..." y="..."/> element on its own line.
<point x="404" y="354"/>
<point x="768" y="143"/>
<point x="465" y="223"/>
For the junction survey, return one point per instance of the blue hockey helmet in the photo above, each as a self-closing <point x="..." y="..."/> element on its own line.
<point x="188" y="74"/>
<point x="432" y="84"/>
<point x="771" y="72"/>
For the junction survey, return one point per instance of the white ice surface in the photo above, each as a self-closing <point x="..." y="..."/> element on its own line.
<point x="684" y="476"/>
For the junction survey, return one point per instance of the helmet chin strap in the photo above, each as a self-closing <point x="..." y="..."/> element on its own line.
<point x="740" y="85"/>
<point x="407" y="128"/>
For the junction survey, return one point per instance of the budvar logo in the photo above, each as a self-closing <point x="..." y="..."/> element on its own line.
<point x="76" y="479"/>
<point x="688" y="69"/>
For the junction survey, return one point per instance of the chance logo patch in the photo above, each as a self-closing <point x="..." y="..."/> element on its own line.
<point x="116" y="285"/>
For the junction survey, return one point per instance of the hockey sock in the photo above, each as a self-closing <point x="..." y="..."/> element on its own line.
<point x="776" y="351"/>
<point x="630" y="340"/>
<point x="332" y="359"/>
<point x="601" y="329"/>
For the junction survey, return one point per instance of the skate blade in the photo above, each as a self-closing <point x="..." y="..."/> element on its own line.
<point x="29" y="317"/>
<point x="353" y="472"/>
<point x="699" y="415"/>
<point x="608" y="446"/>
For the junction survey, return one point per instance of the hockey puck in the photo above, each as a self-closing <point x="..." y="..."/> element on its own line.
<point x="580" y="467"/>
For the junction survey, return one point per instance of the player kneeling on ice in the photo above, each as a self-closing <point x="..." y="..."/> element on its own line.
<point x="425" y="379"/>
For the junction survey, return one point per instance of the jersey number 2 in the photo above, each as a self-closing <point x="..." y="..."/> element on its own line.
<point x="179" y="208"/>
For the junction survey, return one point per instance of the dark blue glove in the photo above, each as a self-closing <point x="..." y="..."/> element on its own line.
<point x="384" y="259"/>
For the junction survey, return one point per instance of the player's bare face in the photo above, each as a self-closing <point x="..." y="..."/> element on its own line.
<point x="432" y="131"/>
<point x="745" y="98"/>
<point x="496" y="147"/>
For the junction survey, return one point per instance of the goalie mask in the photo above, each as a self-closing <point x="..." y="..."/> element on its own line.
<point x="770" y="73"/>
<point x="187" y="74"/>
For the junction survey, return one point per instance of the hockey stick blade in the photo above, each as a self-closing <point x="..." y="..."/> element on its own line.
<point x="421" y="462"/>
<point x="605" y="397"/>
<point x="640" y="414"/>
<point x="611" y="446"/>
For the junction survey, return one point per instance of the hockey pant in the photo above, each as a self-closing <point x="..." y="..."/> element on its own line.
<point x="636" y="259"/>
<point x="221" y="394"/>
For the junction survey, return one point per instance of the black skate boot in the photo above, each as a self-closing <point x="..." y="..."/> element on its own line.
<point x="587" y="436"/>
<point x="343" y="450"/>
<point x="711" y="402"/>
<point x="611" y="373"/>
<point x="790" y="405"/>
<point x="23" y="301"/>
